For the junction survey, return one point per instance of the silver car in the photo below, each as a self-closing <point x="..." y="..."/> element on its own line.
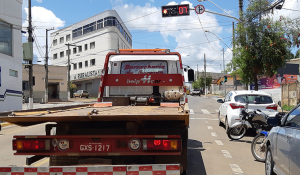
<point x="283" y="142"/>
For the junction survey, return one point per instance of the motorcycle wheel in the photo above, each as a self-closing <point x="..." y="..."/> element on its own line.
<point x="236" y="133"/>
<point x="257" y="152"/>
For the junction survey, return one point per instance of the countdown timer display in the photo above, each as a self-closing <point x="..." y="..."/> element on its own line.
<point x="175" y="10"/>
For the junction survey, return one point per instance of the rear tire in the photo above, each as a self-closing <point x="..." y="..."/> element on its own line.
<point x="257" y="153"/>
<point x="234" y="134"/>
<point x="269" y="164"/>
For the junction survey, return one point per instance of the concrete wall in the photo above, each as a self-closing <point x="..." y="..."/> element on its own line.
<point x="11" y="87"/>
<point x="290" y="94"/>
<point x="57" y="75"/>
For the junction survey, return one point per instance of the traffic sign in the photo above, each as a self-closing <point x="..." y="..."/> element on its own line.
<point x="199" y="9"/>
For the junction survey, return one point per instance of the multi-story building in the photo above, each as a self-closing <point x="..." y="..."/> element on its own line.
<point x="10" y="55"/>
<point x="92" y="39"/>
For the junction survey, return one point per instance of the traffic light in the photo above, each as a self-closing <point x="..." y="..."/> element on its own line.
<point x="225" y="78"/>
<point x="175" y="10"/>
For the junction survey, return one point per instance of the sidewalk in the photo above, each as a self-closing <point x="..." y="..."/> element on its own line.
<point x="73" y="101"/>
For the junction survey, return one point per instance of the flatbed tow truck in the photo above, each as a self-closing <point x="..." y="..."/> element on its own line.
<point x="138" y="126"/>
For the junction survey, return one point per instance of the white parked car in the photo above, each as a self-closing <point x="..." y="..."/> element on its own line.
<point x="230" y="109"/>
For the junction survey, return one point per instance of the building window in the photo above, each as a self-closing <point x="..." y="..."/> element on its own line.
<point x="86" y="63"/>
<point x="80" y="65"/>
<point x="92" y="45"/>
<point x="100" y="24"/>
<point x="55" y="56"/>
<point x="25" y="85"/>
<point x="89" y="28"/>
<point x="13" y="73"/>
<point x="74" y="50"/>
<point x="85" y="47"/>
<point x="79" y="48"/>
<point x="61" y="54"/>
<point x="92" y="62"/>
<point x="110" y="21"/>
<point x="5" y="38"/>
<point x="55" y="42"/>
<point x="61" y="40"/>
<point x="74" y="66"/>
<point x="77" y="32"/>
<point x="68" y="37"/>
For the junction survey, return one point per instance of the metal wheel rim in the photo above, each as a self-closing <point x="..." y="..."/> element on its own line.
<point x="257" y="148"/>
<point x="268" y="163"/>
<point x="237" y="136"/>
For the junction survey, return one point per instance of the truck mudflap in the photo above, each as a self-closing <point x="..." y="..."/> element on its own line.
<point x="154" y="169"/>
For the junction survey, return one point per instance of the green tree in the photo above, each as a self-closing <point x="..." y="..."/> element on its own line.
<point x="199" y="84"/>
<point x="72" y="88"/>
<point x="262" y="46"/>
<point x="297" y="54"/>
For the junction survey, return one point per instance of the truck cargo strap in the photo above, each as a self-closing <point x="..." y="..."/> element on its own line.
<point x="155" y="169"/>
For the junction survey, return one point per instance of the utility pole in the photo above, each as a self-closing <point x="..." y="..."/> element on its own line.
<point x="69" y="68"/>
<point x="224" y="73"/>
<point x="205" y="76"/>
<point x="197" y="73"/>
<point x="233" y="39"/>
<point x="30" y="39"/>
<point x="46" y="66"/>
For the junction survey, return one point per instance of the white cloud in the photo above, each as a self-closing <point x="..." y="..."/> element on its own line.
<point x="180" y="29"/>
<point x="42" y="19"/>
<point x="39" y="1"/>
<point x="295" y="5"/>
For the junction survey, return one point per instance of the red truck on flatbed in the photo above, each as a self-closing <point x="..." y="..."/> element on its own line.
<point x="139" y="124"/>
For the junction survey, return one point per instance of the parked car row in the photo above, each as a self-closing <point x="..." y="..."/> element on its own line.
<point x="282" y="153"/>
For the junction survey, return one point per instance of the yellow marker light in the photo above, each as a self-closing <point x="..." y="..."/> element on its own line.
<point x="19" y="145"/>
<point x="173" y="144"/>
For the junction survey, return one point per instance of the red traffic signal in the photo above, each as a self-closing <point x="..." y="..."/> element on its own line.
<point x="175" y="10"/>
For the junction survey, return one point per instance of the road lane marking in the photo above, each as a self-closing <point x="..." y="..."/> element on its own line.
<point x="226" y="154"/>
<point x="209" y="127"/>
<point x="28" y="127"/>
<point x="236" y="169"/>
<point x="217" y="110"/>
<point x="205" y="111"/>
<point x="203" y="119"/>
<point x="214" y="134"/>
<point x="219" y="142"/>
<point x="192" y="111"/>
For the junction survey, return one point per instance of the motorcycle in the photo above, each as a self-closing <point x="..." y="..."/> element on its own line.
<point x="255" y="119"/>
<point x="258" y="146"/>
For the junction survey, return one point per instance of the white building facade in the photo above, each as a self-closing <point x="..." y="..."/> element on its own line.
<point x="94" y="38"/>
<point x="10" y="55"/>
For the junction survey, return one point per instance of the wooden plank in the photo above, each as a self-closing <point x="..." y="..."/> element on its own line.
<point x="114" y="113"/>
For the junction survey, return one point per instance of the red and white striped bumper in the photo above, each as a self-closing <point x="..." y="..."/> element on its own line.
<point x="157" y="169"/>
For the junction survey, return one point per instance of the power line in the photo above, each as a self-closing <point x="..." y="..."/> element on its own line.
<point x="205" y="34"/>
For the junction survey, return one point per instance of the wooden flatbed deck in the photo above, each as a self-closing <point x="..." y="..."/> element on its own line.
<point x="90" y="113"/>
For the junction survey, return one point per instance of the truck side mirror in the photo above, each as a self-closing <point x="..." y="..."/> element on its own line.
<point x="273" y="121"/>
<point x="191" y="75"/>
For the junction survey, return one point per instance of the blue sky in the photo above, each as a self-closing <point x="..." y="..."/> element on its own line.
<point x="182" y="34"/>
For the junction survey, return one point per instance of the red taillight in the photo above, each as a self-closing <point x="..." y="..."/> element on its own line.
<point x="274" y="107"/>
<point x="161" y="144"/>
<point x="151" y="100"/>
<point x="235" y="106"/>
<point x="31" y="145"/>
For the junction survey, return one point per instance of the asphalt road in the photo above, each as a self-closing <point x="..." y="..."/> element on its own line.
<point x="210" y="151"/>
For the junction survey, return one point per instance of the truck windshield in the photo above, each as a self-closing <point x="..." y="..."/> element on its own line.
<point x="144" y="67"/>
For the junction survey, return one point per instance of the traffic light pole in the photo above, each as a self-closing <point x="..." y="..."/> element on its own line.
<point x="205" y="76"/>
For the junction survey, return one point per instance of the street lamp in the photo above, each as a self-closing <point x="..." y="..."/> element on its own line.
<point x="218" y="38"/>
